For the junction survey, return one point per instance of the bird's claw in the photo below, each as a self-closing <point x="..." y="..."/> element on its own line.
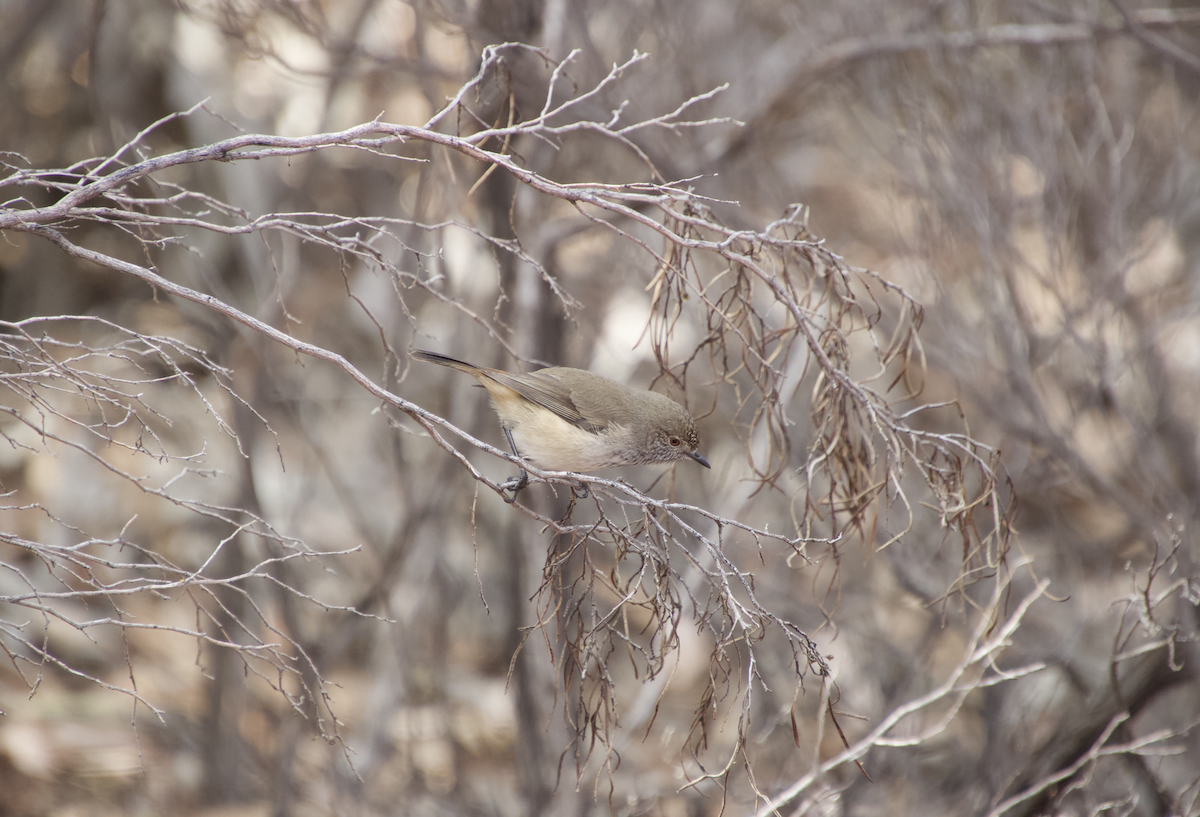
<point x="514" y="484"/>
<point x="579" y="490"/>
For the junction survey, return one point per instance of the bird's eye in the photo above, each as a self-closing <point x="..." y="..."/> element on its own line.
<point x="674" y="442"/>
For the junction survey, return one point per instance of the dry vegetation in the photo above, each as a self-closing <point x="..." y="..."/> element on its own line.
<point x="945" y="560"/>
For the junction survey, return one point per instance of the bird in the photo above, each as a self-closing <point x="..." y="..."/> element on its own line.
<point x="564" y="419"/>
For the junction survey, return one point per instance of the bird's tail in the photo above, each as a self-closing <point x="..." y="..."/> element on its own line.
<point x="443" y="360"/>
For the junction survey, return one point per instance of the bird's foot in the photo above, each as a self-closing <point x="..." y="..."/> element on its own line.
<point x="515" y="484"/>
<point x="580" y="490"/>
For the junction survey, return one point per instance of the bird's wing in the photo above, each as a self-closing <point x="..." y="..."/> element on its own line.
<point x="547" y="391"/>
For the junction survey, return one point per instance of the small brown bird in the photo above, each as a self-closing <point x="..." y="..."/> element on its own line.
<point x="563" y="419"/>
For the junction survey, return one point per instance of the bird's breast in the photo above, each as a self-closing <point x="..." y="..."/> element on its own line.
<point x="553" y="444"/>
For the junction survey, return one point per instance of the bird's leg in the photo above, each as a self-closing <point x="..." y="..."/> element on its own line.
<point x="514" y="484"/>
<point x="580" y="490"/>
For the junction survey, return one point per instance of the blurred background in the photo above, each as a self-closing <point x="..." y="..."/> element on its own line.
<point x="1027" y="171"/>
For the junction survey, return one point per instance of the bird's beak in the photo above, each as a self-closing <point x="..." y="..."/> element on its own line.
<point x="698" y="457"/>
